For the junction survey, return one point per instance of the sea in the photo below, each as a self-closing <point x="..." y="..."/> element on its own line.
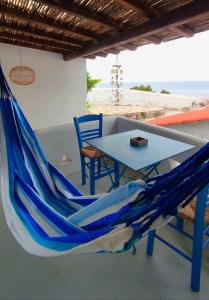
<point x="186" y="88"/>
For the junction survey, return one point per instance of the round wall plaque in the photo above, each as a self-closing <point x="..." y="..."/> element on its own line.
<point x="22" y="75"/>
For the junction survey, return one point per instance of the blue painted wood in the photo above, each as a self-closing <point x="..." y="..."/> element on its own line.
<point x="117" y="173"/>
<point x="198" y="239"/>
<point x="205" y="244"/>
<point x="172" y="247"/>
<point x="159" y="148"/>
<point x="182" y="231"/>
<point x="91" y="133"/>
<point x="83" y="135"/>
<point x="150" y="242"/>
<point x="83" y="170"/>
<point x="206" y="229"/>
<point x="92" y="177"/>
<point x="179" y="223"/>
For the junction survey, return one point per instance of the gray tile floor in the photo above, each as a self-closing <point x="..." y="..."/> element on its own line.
<point x="96" y="276"/>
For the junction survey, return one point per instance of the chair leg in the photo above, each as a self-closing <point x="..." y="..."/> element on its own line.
<point x="179" y="223"/>
<point x="196" y="262"/>
<point x="117" y="173"/>
<point x="99" y="166"/>
<point x="150" y="242"/>
<point x="92" y="176"/>
<point x="198" y="240"/>
<point x="83" y="170"/>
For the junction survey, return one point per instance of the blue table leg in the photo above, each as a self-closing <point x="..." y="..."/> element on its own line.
<point x="150" y="242"/>
<point x="151" y="169"/>
<point x="198" y="239"/>
<point x="117" y="173"/>
<point x="92" y="179"/>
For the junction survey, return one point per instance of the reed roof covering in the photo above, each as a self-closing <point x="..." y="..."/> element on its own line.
<point x="87" y="28"/>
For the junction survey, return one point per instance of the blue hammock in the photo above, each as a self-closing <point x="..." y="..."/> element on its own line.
<point x="48" y="215"/>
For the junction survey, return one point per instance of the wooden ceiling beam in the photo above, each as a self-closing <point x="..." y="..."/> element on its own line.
<point x="151" y="12"/>
<point x="192" y="11"/>
<point x="91" y="57"/>
<point x="29" y="45"/>
<point x="103" y="54"/>
<point x="154" y="39"/>
<point x="42" y="34"/>
<point x="34" y="40"/>
<point x="184" y="31"/>
<point x="112" y="51"/>
<point x="14" y="12"/>
<point x="130" y="47"/>
<point x="82" y="13"/>
<point x="139" y="7"/>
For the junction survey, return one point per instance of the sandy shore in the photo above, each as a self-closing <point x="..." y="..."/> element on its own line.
<point x="130" y="110"/>
<point x="142" y="105"/>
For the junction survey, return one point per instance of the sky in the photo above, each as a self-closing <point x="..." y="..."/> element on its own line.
<point x="184" y="59"/>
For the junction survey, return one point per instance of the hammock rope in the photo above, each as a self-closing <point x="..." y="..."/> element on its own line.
<point x="49" y="216"/>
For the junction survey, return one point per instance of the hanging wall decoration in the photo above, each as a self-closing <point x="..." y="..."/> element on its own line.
<point x="117" y="81"/>
<point x="22" y="75"/>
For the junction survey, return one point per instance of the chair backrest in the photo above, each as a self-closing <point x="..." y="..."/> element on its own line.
<point x="84" y="134"/>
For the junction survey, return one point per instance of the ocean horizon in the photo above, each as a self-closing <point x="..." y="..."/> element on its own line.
<point x="186" y="88"/>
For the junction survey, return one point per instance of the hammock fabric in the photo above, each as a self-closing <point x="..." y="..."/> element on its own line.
<point x="47" y="214"/>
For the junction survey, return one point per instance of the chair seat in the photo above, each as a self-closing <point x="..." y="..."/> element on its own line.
<point x="188" y="212"/>
<point x="89" y="151"/>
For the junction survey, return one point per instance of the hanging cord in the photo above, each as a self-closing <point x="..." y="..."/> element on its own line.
<point x="20" y="54"/>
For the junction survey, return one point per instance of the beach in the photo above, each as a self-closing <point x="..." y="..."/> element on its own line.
<point x="142" y="105"/>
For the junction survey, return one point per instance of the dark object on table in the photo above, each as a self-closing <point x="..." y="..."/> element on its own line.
<point x="138" y="141"/>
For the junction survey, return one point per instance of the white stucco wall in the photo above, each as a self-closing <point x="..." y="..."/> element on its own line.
<point x="200" y="129"/>
<point x="59" y="92"/>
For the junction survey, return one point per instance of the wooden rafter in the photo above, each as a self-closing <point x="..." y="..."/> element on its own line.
<point x="42" y="33"/>
<point x="30" y="45"/>
<point x="130" y="47"/>
<point x="21" y="37"/>
<point x="112" y="51"/>
<point x="139" y="6"/>
<point x="178" y="17"/>
<point x="151" y="12"/>
<point x="14" y="12"/>
<point x="154" y="39"/>
<point x="91" y="57"/>
<point x="60" y="26"/>
<point x="184" y="31"/>
<point x="83" y="13"/>
<point x="102" y="54"/>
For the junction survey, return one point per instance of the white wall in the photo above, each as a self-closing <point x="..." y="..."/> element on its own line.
<point x="59" y="92"/>
<point x="200" y="129"/>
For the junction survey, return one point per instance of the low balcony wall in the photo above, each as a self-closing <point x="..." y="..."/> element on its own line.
<point x="58" y="140"/>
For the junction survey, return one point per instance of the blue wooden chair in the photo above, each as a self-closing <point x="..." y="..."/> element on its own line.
<point x="90" y="157"/>
<point x="200" y="237"/>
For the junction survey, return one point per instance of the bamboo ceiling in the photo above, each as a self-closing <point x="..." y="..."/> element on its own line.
<point x="87" y="28"/>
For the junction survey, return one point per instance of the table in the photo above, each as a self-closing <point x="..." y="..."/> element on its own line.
<point x="117" y="146"/>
